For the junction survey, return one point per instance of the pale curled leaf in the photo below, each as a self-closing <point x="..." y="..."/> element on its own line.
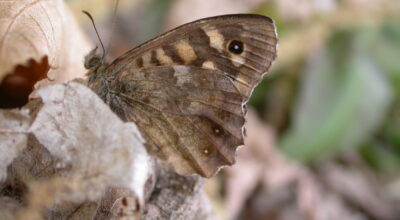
<point x="95" y="148"/>
<point x="13" y="136"/>
<point x="33" y="29"/>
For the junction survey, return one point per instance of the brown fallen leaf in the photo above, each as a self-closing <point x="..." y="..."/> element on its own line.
<point x="35" y="37"/>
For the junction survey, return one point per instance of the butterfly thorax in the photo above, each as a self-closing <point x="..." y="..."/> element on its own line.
<point x="97" y="80"/>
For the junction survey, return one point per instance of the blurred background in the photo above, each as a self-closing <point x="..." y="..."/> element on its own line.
<point x="324" y="125"/>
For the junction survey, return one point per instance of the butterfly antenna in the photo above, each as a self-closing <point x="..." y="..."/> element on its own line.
<point x="113" y="24"/>
<point x="97" y="33"/>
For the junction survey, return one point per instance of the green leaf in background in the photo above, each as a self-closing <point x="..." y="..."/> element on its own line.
<point x="343" y="99"/>
<point x="386" y="49"/>
<point x="380" y="157"/>
<point x="152" y="18"/>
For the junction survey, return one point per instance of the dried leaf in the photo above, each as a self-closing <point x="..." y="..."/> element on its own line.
<point x="177" y="197"/>
<point x="77" y="150"/>
<point x="30" y="33"/>
<point x="16" y="87"/>
<point x="14" y="125"/>
<point x="90" y="141"/>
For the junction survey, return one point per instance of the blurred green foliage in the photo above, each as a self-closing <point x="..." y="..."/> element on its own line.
<point x="152" y="15"/>
<point x="343" y="98"/>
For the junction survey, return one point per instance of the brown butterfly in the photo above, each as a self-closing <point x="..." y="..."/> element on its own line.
<point x="186" y="90"/>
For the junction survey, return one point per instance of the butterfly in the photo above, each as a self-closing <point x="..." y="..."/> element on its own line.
<point x="186" y="90"/>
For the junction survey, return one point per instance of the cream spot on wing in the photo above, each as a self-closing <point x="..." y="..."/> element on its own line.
<point x="146" y="59"/>
<point x="237" y="61"/>
<point x="194" y="107"/>
<point x="208" y="65"/>
<point x="215" y="37"/>
<point x="185" y="51"/>
<point x="162" y="57"/>
<point x="182" y="76"/>
<point x="180" y="70"/>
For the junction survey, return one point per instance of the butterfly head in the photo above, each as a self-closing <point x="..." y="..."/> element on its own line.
<point x="93" y="60"/>
<point x="94" y="63"/>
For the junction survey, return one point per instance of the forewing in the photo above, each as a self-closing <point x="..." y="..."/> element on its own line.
<point x="210" y="43"/>
<point x="191" y="117"/>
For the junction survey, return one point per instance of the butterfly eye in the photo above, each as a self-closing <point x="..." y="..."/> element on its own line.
<point x="236" y="47"/>
<point x="93" y="62"/>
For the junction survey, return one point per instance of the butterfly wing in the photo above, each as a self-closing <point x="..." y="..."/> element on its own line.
<point x="243" y="46"/>
<point x="191" y="117"/>
<point x="185" y="89"/>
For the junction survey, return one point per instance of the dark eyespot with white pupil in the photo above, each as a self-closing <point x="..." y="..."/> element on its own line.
<point x="236" y="47"/>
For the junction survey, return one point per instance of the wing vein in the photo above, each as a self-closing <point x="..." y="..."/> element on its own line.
<point x="209" y="138"/>
<point x="245" y="65"/>
<point x="171" y="85"/>
<point x="185" y="153"/>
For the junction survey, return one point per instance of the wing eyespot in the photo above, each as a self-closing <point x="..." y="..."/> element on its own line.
<point x="236" y="47"/>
